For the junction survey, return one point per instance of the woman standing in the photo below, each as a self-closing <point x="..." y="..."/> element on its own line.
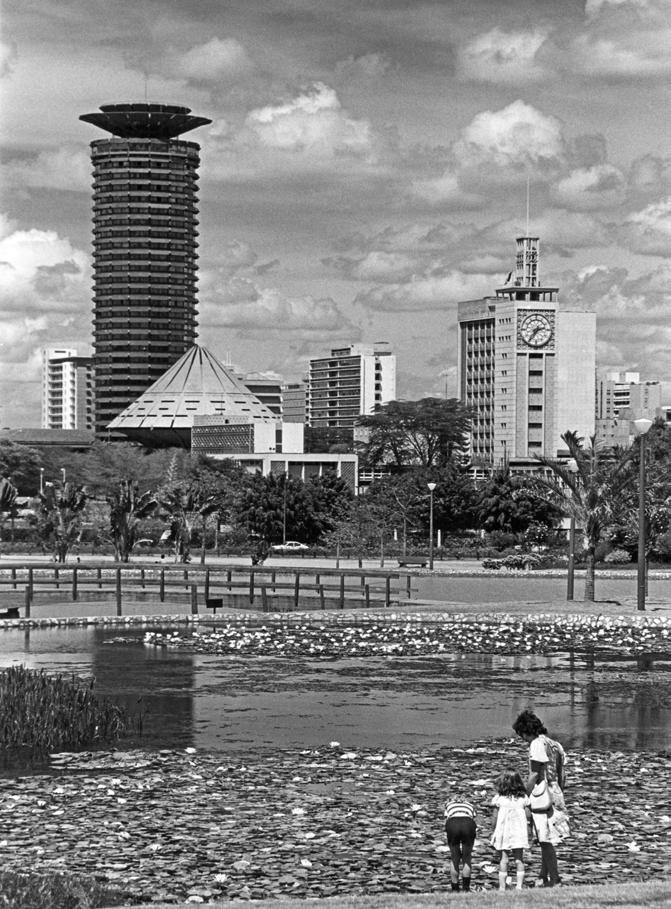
<point x="546" y="764"/>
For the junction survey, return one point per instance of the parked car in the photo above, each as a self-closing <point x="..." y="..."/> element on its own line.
<point x="290" y="546"/>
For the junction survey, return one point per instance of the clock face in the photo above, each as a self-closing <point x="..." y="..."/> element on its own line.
<point x="536" y="330"/>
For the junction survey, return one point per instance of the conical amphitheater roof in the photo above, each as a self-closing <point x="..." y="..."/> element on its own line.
<point x="197" y="385"/>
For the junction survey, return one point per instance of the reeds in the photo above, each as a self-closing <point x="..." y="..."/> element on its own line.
<point x="41" y="713"/>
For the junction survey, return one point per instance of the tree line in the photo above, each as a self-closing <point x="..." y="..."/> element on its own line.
<point x="411" y="443"/>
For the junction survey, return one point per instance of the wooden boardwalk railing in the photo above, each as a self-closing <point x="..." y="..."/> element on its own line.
<point x="214" y="587"/>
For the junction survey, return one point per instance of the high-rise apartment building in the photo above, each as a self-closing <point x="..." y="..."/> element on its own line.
<point x="67" y="389"/>
<point x="144" y="248"/>
<point x="525" y="367"/>
<point x="350" y="382"/>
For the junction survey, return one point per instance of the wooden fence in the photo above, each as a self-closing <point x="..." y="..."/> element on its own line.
<point x="212" y="587"/>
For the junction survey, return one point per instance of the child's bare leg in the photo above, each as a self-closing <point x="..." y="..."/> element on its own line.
<point x="503" y="870"/>
<point x="518" y="855"/>
<point x="466" y="852"/>
<point x="455" y="859"/>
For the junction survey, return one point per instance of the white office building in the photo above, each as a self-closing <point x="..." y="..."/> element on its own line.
<point x="526" y="365"/>
<point x="350" y="382"/>
<point x="67" y="389"/>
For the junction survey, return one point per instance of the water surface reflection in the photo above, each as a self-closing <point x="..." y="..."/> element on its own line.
<point x="232" y="703"/>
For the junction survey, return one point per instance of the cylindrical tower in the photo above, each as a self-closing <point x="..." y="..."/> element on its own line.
<point x="144" y="249"/>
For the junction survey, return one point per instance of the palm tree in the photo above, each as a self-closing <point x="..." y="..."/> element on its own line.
<point x="127" y="508"/>
<point x="589" y="489"/>
<point x="181" y="506"/>
<point x="8" y="494"/>
<point x="62" y="508"/>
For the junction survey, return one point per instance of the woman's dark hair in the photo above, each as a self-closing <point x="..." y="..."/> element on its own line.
<point x="510" y="783"/>
<point x="527" y="723"/>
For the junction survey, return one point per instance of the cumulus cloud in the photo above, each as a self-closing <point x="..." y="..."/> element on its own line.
<point x="418" y="236"/>
<point x="436" y="290"/>
<point x="368" y="66"/>
<point x="233" y="300"/>
<point x="560" y="232"/>
<point x="45" y="295"/>
<point x="41" y="272"/>
<point x="593" y="8"/>
<point x="309" y="133"/>
<point x="624" y="38"/>
<point x="632" y="315"/>
<point x="590" y="188"/>
<point x="7" y="57"/>
<point x="650" y="177"/>
<point x="502" y="57"/>
<point x="313" y="121"/>
<point x="446" y="191"/>
<point x="269" y="311"/>
<point x="377" y="265"/>
<point x="514" y="142"/>
<point x="217" y="59"/>
<point x="67" y="168"/>
<point x="649" y="231"/>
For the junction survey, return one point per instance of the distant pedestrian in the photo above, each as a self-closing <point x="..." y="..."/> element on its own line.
<point x="511" y="825"/>
<point x="547" y="762"/>
<point x="460" y="829"/>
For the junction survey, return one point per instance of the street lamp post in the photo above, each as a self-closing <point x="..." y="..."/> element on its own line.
<point x="284" y="509"/>
<point x="41" y="481"/>
<point x="431" y="486"/>
<point x="642" y="426"/>
<point x="63" y="474"/>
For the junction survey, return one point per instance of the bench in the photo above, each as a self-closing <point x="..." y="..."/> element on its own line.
<point x="412" y="563"/>
<point x="214" y="603"/>
<point x="12" y="612"/>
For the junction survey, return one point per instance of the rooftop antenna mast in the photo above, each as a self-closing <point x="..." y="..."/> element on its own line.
<point x="527" y="233"/>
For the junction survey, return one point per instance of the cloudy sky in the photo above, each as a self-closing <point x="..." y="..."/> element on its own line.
<point x="366" y="169"/>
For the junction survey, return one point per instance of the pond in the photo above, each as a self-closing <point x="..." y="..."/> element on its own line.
<point x="226" y="704"/>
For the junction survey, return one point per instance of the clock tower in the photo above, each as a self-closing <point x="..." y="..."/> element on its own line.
<point x="526" y="367"/>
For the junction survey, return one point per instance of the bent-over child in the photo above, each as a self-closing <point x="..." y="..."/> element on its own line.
<point x="511" y="825"/>
<point x="460" y="829"/>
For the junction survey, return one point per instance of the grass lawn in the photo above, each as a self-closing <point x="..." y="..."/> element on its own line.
<point x="625" y="896"/>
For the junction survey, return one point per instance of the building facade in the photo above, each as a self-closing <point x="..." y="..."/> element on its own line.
<point x="67" y="389"/>
<point x="294" y="402"/>
<point x="350" y="382"/>
<point x="616" y="391"/>
<point x="144" y="249"/>
<point x="526" y="363"/>
<point x="268" y="391"/>
<point x="621" y="398"/>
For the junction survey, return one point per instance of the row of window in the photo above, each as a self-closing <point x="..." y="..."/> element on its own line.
<point x="140" y="163"/>
<point x="129" y="234"/>
<point x="145" y="255"/>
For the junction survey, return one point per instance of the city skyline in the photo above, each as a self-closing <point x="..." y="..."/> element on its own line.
<point x="366" y="169"/>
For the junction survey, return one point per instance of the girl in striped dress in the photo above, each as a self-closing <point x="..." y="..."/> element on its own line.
<point x="460" y="830"/>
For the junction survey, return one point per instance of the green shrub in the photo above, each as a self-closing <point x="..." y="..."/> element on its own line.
<point x="618" y="557"/>
<point x="501" y="539"/>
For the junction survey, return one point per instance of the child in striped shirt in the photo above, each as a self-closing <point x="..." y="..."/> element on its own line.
<point x="460" y="830"/>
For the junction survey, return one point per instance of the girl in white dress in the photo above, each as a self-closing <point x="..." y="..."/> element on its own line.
<point x="511" y="825"/>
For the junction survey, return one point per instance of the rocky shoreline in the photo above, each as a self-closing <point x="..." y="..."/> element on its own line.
<point x="171" y="826"/>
